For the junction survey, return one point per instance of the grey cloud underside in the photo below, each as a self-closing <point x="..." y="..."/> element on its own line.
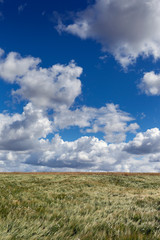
<point x="127" y="29"/>
<point x="53" y="163"/>
<point x="22" y="131"/>
<point x="56" y="88"/>
<point x="84" y="153"/>
<point x="91" y="154"/>
<point x="155" y="158"/>
<point x="23" y="137"/>
<point x="144" y="143"/>
<point x="67" y="156"/>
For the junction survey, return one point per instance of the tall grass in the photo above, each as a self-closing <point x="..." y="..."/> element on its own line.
<point x="79" y="207"/>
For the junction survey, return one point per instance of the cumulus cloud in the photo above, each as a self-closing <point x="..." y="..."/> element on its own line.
<point x="150" y="83"/>
<point x="127" y="29"/>
<point x="57" y="87"/>
<point x="14" y="67"/>
<point x="54" y="87"/>
<point x="24" y="142"/>
<point x="88" y="154"/>
<point x="84" y="153"/>
<point x="20" y="132"/>
<point x="110" y="120"/>
<point x="113" y="122"/>
<point x="80" y="117"/>
<point x="145" y="143"/>
<point x="25" y="147"/>
<point x="15" y="162"/>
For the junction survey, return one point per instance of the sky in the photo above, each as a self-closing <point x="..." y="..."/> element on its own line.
<point x="80" y="85"/>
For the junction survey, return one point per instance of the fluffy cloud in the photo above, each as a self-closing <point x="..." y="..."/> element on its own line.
<point x="145" y="143"/>
<point x="20" y="132"/>
<point x="127" y="29"/>
<point x="150" y="83"/>
<point x="82" y="153"/>
<point x="55" y="87"/>
<point x="15" y="162"/>
<point x="14" y="67"/>
<point x="113" y="122"/>
<point x="109" y="119"/>
<point x="24" y="145"/>
<point x="88" y="154"/>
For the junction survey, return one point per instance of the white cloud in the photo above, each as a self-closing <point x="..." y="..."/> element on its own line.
<point x="24" y="145"/>
<point x="109" y="119"/>
<point x="14" y="67"/>
<point x="86" y="153"/>
<point x="113" y="122"/>
<point x="89" y="154"/>
<point x="80" y="117"/>
<point x="15" y="162"/>
<point x="20" y="132"/>
<point x="127" y="29"/>
<point x="23" y="137"/>
<point x="145" y="143"/>
<point x="150" y="83"/>
<point x="55" y="87"/>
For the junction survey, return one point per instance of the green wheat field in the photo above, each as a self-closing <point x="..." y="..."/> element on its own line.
<point x="76" y="206"/>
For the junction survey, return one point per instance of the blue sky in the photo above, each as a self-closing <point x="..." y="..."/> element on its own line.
<point x="80" y="85"/>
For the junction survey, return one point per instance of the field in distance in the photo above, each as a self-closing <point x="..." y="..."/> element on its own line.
<point x="79" y="206"/>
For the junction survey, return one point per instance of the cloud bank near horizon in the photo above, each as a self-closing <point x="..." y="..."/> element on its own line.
<point x="24" y="141"/>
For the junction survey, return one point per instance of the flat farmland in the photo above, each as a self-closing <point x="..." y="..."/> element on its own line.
<point x="79" y="206"/>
